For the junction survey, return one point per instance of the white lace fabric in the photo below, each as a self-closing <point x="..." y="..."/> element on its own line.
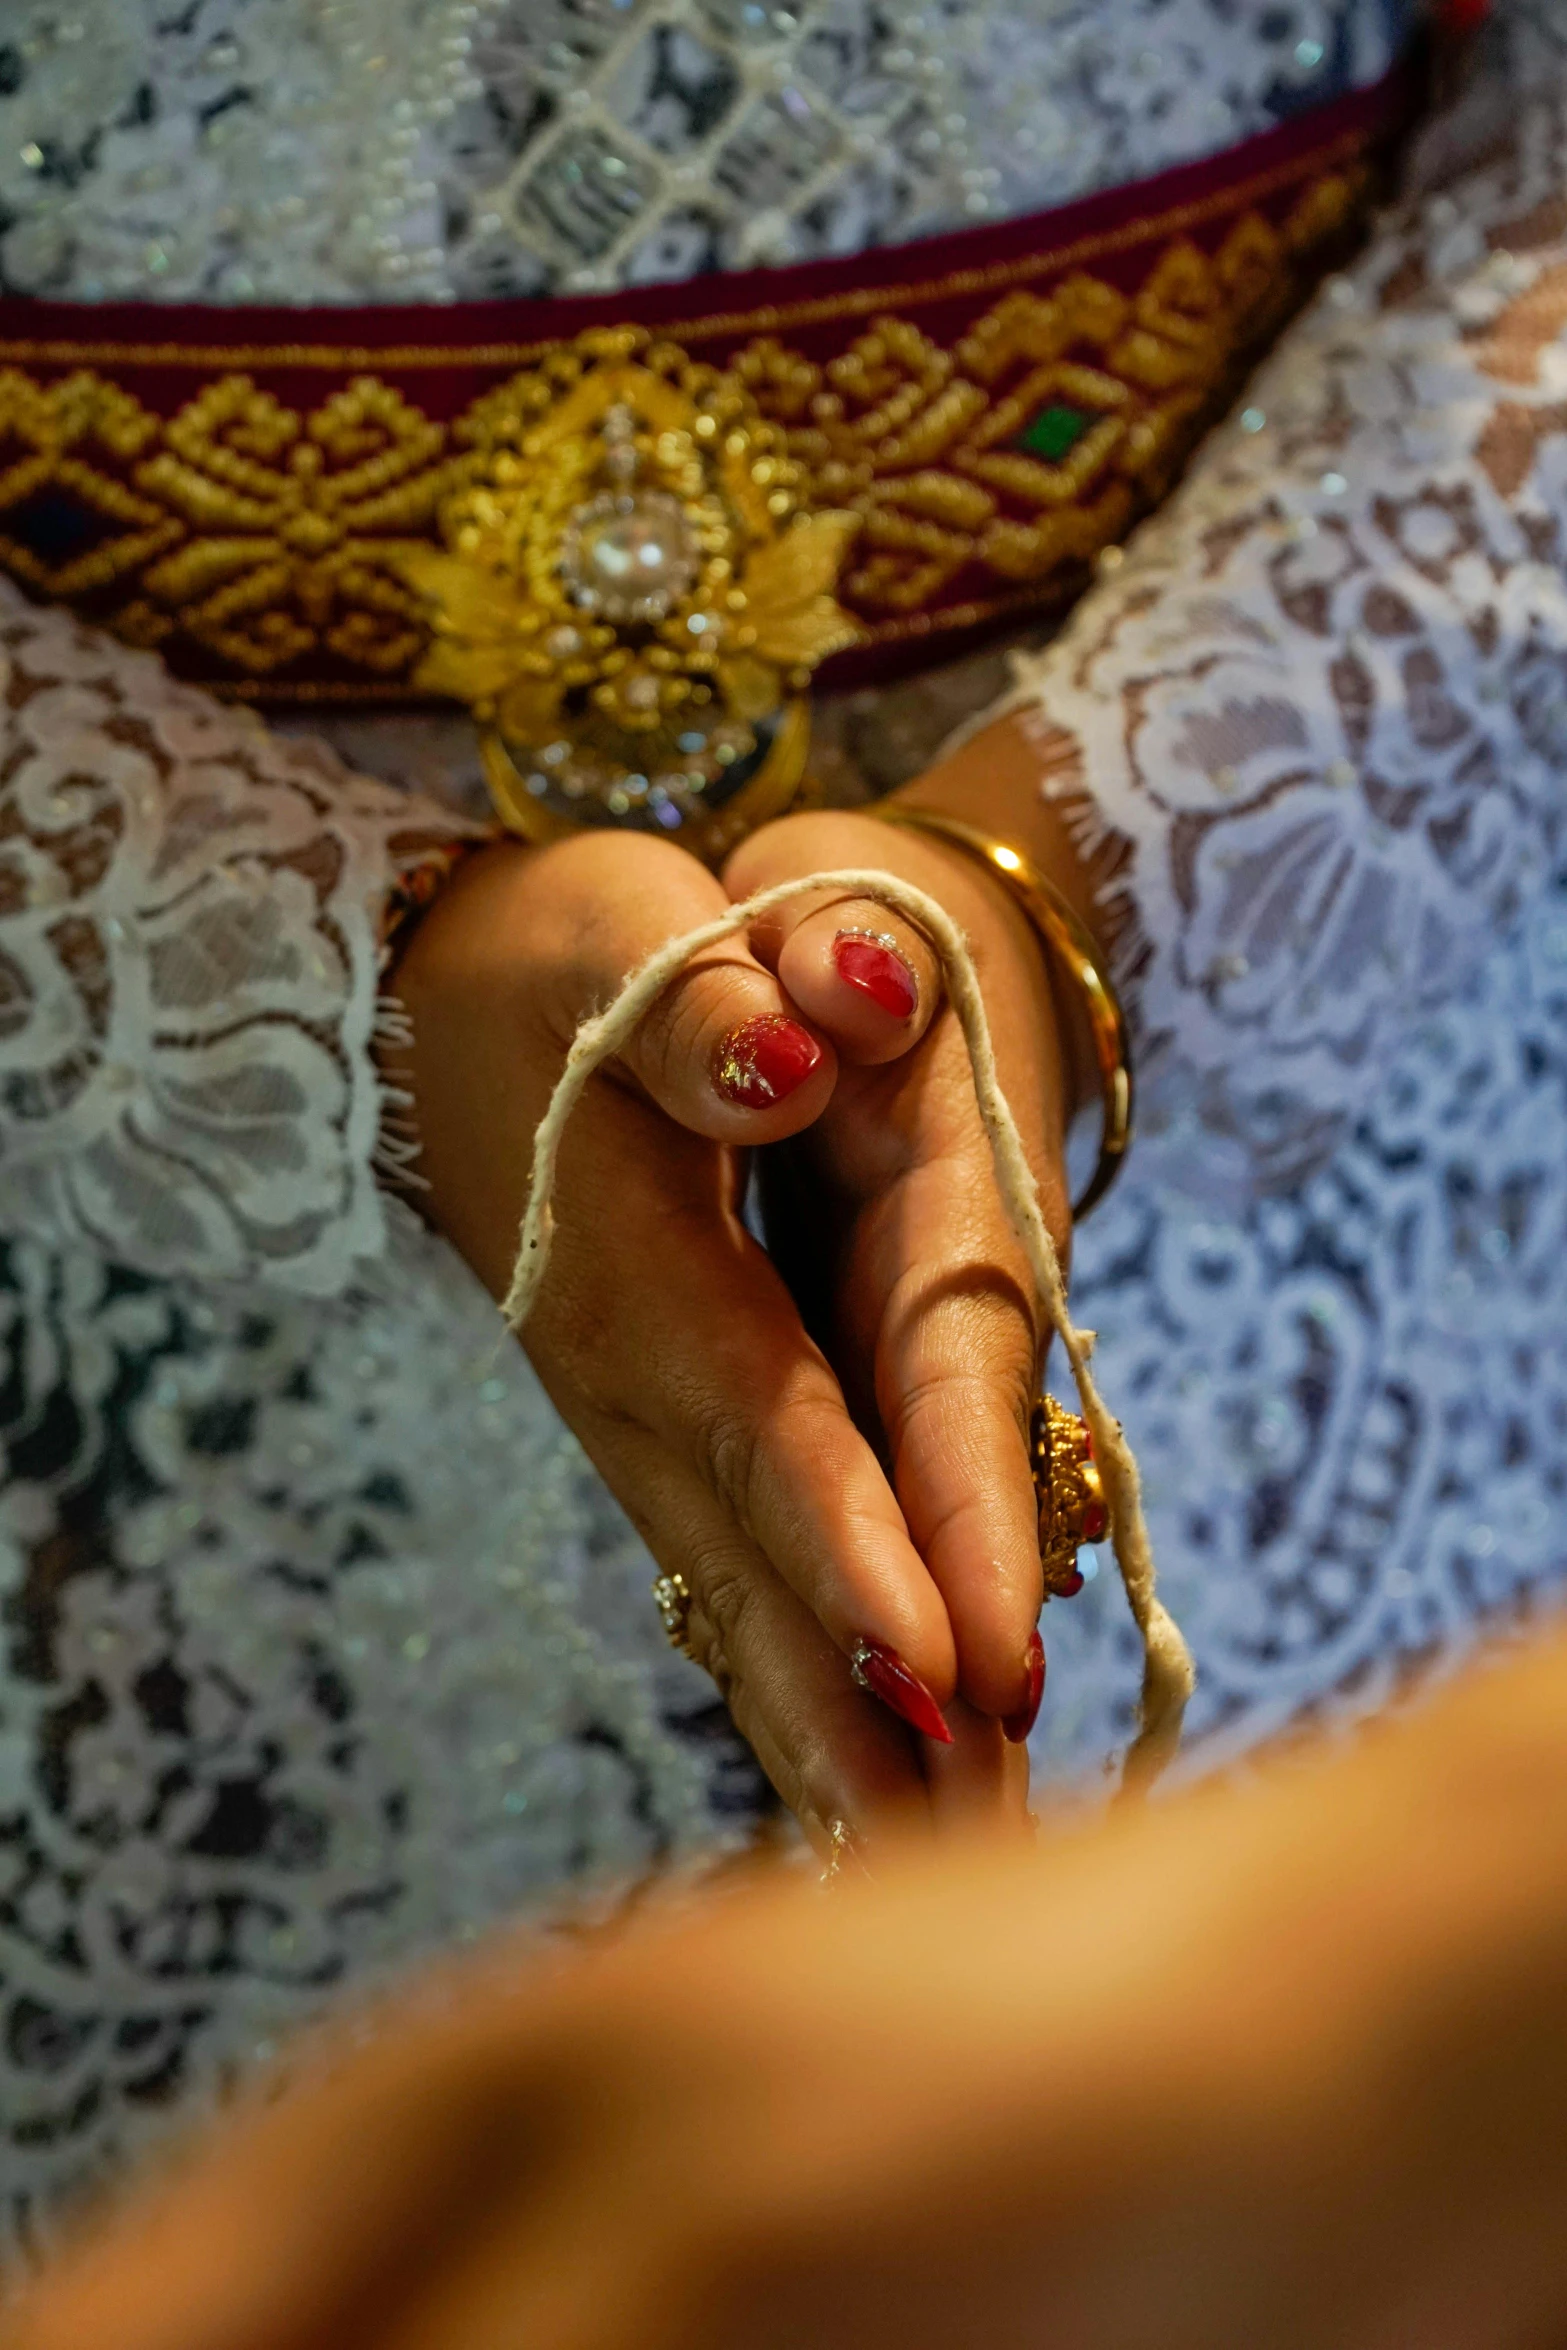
<point x="1323" y="699"/>
<point x="1324" y="693"/>
<point x="188" y="970"/>
<point x="322" y="1643"/>
<point x="325" y="1648"/>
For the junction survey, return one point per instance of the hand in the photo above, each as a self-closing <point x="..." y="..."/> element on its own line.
<point x="1301" y="2085"/>
<point x="663" y="1333"/>
<point x="887" y="1219"/>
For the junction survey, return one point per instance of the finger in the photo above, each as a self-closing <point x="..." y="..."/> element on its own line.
<point x="937" y="1299"/>
<point x="863" y="974"/>
<point x="830" y="1752"/>
<point x="712" y="1360"/>
<point x="980" y="1779"/>
<point x="940" y="1300"/>
<point x="800" y="941"/>
<point x="522" y="947"/>
<point x="956" y="1379"/>
<point x="723" y="1051"/>
<point x="754" y="1408"/>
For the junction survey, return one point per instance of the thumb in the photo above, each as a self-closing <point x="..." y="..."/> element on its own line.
<point x="724" y="1051"/>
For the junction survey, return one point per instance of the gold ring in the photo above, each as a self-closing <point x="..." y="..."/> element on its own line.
<point x="839" y="1844"/>
<point x="1070" y="1493"/>
<point x="672" y="1597"/>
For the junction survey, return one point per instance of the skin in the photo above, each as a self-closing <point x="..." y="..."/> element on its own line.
<point x="828" y="1443"/>
<point x="1294" y="2075"/>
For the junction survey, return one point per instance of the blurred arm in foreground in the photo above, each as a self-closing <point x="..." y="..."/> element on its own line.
<point x="1297" y="2077"/>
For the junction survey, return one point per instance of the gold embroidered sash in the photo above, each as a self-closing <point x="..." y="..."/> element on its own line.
<point x="244" y="490"/>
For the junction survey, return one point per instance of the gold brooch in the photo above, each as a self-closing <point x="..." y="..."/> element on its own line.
<point x="633" y="596"/>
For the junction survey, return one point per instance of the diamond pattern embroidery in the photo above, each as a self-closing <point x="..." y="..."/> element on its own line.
<point x="1053" y="431"/>
<point x="985" y="469"/>
<point x="68" y="523"/>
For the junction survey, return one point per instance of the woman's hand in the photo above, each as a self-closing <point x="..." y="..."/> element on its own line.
<point x="885" y="1215"/>
<point x="665" y="1335"/>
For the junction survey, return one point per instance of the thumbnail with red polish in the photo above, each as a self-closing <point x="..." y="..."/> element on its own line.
<point x="1018" y="1725"/>
<point x="882" y="1671"/>
<point x="763" y="1060"/>
<point x="873" y="964"/>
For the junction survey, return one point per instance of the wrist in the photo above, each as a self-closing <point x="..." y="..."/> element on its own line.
<point x="1081" y="987"/>
<point x="996" y="781"/>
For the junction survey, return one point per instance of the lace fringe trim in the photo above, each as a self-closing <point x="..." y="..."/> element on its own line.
<point x="1066" y="782"/>
<point x="395" y="1156"/>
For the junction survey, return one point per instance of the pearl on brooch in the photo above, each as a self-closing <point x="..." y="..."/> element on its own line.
<point x="629" y="556"/>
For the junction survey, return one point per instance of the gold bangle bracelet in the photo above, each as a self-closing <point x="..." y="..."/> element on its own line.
<point x="1069" y="942"/>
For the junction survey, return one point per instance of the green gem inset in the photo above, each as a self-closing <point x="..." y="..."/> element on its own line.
<point x="1053" y="431"/>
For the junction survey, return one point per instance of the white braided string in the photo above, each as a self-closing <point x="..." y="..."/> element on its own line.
<point x="1168" y="1675"/>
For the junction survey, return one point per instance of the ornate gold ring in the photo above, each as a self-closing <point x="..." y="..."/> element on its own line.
<point x="1070" y="1493"/>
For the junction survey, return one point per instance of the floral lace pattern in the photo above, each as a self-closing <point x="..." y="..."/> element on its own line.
<point x="1324" y="695"/>
<point x="322" y="1643"/>
<point x="1322" y="698"/>
<point x="1349" y="1399"/>
<point x="187" y="969"/>
<point x="286" y="151"/>
<point x="324" y="1647"/>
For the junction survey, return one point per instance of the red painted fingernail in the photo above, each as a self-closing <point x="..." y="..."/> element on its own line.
<point x="882" y="1671"/>
<point x="1018" y="1725"/>
<point x="762" y="1060"/>
<point x="870" y="962"/>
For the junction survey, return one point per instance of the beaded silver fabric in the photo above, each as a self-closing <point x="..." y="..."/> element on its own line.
<point x="353" y="150"/>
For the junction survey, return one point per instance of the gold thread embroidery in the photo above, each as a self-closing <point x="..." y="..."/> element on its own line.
<point x="58" y="430"/>
<point x="268" y="535"/>
<point x="918" y="439"/>
<point x="260" y="533"/>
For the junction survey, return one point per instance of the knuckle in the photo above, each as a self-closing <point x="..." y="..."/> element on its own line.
<point x="723" y="1600"/>
<point x="972" y="1329"/>
<point x="733" y="1447"/>
<point x="941" y="1525"/>
<point x="754" y="1463"/>
<point x="928" y="1413"/>
<point x="677" y="1036"/>
<point x="727" y="1598"/>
